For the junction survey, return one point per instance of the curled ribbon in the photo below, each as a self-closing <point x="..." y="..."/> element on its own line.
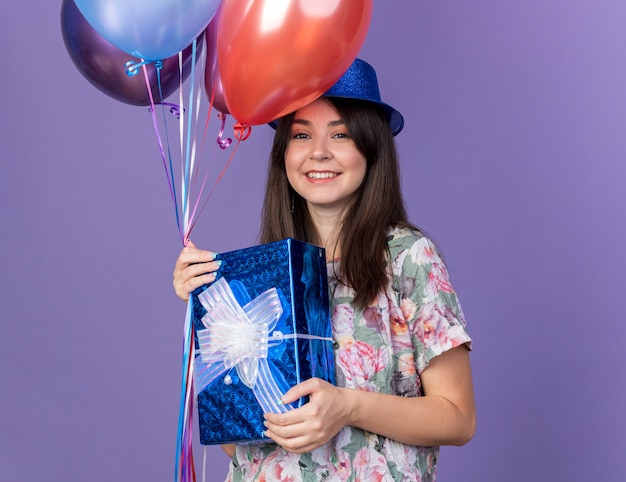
<point x="174" y="108"/>
<point x="223" y="143"/>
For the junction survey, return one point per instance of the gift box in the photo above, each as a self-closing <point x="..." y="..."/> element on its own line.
<point x="261" y="327"/>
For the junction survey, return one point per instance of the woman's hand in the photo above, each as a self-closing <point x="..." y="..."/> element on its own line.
<point x="314" y="424"/>
<point x="194" y="268"/>
<point x="445" y="415"/>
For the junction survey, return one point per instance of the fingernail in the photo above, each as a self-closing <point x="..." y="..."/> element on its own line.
<point x="280" y="401"/>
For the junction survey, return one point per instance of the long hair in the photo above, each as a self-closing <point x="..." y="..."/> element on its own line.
<point x="378" y="205"/>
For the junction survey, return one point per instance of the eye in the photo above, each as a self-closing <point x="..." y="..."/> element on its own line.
<point x="300" y="135"/>
<point x="341" y="135"/>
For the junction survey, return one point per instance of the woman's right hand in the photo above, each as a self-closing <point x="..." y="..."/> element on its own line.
<point x="194" y="268"/>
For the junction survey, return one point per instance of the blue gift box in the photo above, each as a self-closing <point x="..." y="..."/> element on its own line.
<point x="261" y="327"/>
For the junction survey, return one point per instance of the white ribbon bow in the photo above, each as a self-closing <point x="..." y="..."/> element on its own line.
<point x="239" y="337"/>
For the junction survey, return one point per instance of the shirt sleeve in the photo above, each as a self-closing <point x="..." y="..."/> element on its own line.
<point x="428" y="301"/>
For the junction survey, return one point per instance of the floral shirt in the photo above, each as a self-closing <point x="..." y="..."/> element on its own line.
<point x="383" y="348"/>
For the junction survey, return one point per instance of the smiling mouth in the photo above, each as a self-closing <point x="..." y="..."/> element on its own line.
<point x="321" y="175"/>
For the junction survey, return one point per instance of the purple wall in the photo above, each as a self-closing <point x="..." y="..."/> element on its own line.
<point x="513" y="160"/>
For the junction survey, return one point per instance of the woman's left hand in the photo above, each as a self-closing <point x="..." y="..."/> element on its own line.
<point x="315" y="423"/>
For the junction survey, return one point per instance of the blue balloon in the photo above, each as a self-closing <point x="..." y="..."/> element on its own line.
<point x="149" y="29"/>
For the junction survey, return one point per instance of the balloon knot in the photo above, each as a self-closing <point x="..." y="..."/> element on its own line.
<point x="242" y="131"/>
<point x="132" y="68"/>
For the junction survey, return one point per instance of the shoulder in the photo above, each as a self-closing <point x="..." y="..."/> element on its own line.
<point x="403" y="242"/>
<point x="399" y="236"/>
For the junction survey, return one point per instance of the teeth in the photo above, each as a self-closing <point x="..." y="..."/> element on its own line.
<point x="321" y="175"/>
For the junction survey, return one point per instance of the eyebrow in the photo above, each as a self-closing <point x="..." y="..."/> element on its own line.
<point x="305" y="122"/>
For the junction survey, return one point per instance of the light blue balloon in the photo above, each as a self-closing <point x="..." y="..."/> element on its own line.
<point x="149" y="29"/>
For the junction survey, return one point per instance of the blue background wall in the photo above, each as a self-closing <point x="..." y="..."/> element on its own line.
<point x="513" y="161"/>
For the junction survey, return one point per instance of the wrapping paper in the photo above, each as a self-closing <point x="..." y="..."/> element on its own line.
<point x="261" y="327"/>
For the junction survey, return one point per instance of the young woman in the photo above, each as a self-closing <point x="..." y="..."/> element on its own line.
<point x="404" y="384"/>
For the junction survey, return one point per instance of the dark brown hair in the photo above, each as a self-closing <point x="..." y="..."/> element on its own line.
<point x="378" y="205"/>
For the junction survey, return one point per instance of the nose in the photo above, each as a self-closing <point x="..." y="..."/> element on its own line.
<point x="320" y="150"/>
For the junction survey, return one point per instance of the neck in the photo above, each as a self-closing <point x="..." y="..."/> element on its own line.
<point x="327" y="224"/>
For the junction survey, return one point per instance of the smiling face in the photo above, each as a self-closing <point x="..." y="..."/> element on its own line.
<point x="322" y="162"/>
